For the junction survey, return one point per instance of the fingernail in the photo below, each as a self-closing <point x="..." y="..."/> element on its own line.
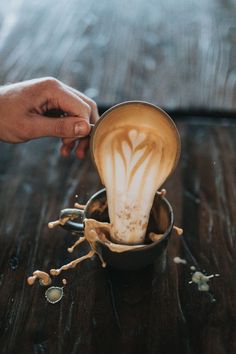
<point x="80" y="129"/>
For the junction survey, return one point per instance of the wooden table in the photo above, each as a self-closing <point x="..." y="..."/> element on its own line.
<point x="181" y="57"/>
<point x="154" y="310"/>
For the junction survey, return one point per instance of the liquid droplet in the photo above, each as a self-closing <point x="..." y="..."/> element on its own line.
<point x="54" y="294"/>
<point x="213" y="300"/>
<point x="179" y="260"/>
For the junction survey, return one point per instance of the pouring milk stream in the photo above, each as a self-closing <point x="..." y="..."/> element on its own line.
<point x="135" y="146"/>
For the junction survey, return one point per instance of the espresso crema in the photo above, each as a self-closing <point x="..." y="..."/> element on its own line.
<point x="135" y="148"/>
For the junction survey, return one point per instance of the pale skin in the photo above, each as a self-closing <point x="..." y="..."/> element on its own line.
<point x="22" y="114"/>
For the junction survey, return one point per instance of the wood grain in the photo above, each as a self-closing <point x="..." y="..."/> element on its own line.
<point x="151" y="311"/>
<point x="179" y="56"/>
<point x="182" y="57"/>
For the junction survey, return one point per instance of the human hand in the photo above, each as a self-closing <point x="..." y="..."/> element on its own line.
<point x="23" y="107"/>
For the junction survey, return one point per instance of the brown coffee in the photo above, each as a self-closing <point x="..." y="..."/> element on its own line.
<point x="135" y="147"/>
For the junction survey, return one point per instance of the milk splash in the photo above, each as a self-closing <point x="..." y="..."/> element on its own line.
<point x="131" y="170"/>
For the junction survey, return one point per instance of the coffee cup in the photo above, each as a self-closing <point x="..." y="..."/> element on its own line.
<point x="160" y="222"/>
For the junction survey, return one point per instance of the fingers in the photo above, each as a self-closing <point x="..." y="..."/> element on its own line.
<point x="80" y="146"/>
<point x="24" y="104"/>
<point x="81" y="111"/>
<point x="66" y="148"/>
<point x="94" y="110"/>
<point x="60" y="97"/>
<point x="83" y="144"/>
<point x="93" y="106"/>
<point x="68" y="99"/>
<point x="68" y="127"/>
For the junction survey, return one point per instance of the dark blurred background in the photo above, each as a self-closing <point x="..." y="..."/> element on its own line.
<point x="177" y="54"/>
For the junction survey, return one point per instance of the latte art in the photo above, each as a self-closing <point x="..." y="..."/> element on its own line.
<point x="131" y="174"/>
<point x="134" y="149"/>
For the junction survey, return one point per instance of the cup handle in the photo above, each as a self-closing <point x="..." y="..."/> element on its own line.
<point x="72" y="214"/>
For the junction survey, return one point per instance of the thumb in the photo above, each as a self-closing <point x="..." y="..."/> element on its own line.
<point x="67" y="127"/>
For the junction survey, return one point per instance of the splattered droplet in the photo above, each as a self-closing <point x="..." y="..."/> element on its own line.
<point x="178" y="230"/>
<point x="179" y="260"/>
<point x="54" y="294"/>
<point x="44" y="278"/>
<point x="64" y="281"/>
<point x="202" y="280"/>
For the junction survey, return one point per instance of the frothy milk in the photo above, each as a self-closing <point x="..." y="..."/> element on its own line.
<point x="134" y="155"/>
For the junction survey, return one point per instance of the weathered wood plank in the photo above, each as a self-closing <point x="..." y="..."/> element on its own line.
<point x="179" y="56"/>
<point x="154" y="310"/>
